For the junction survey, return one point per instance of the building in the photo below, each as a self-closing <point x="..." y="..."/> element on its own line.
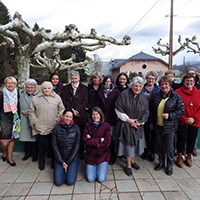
<point x="139" y="63"/>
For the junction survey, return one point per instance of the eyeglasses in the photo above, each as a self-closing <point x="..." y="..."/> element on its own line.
<point x="189" y="81"/>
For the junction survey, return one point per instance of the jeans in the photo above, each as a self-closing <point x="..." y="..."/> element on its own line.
<point x="97" y="172"/>
<point x="69" y="177"/>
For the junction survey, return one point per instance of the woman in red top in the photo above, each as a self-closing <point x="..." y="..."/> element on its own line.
<point x="97" y="139"/>
<point x="190" y="121"/>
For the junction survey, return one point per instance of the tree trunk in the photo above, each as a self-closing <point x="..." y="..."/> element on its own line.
<point x="23" y="66"/>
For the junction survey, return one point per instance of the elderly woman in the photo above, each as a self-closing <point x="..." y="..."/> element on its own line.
<point x="93" y="88"/>
<point x="107" y="96"/>
<point x="8" y="110"/>
<point x="149" y="88"/>
<point x="122" y="81"/>
<point x="75" y="97"/>
<point x="190" y="121"/>
<point x="44" y="113"/>
<point x="166" y="107"/>
<point x="30" y="142"/>
<point x="97" y="139"/>
<point x="132" y="110"/>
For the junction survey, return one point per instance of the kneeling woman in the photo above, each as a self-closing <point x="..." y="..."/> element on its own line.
<point x="97" y="138"/>
<point x="65" y="144"/>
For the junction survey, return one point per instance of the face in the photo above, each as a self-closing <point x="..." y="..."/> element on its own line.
<point x="108" y="82"/>
<point x="46" y="90"/>
<point x="75" y="80"/>
<point x="165" y="87"/>
<point x="171" y="76"/>
<point x="96" y="80"/>
<point x="10" y="85"/>
<point x="67" y="117"/>
<point x="122" y="80"/>
<point x="192" y="72"/>
<point x="30" y="89"/>
<point x="151" y="80"/>
<point x="96" y="116"/>
<point x="189" y="83"/>
<point x="55" y="80"/>
<point x="136" y="88"/>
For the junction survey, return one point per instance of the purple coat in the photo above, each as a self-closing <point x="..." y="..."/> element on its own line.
<point x="78" y="101"/>
<point x="107" y="105"/>
<point x="97" y="151"/>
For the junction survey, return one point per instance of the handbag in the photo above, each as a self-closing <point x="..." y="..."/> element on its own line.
<point x="16" y="126"/>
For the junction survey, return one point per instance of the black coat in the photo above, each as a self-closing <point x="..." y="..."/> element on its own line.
<point x="66" y="142"/>
<point x="174" y="106"/>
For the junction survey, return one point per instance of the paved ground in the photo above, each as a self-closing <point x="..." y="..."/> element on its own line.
<point x="26" y="181"/>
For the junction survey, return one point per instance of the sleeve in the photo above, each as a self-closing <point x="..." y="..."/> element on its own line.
<point x="107" y="137"/>
<point x="31" y="114"/>
<point x="122" y="116"/>
<point x="64" y="96"/>
<point x="61" y="108"/>
<point x="84" y="101"/>
<point x="75" y="148"/>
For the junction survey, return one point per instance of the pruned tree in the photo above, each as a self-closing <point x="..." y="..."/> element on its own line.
<point x="43" y="39"/>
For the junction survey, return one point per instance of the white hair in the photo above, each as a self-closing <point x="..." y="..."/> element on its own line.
<point x="31" y="82"/>
<point x="74" y="73"/>
<point x="137" y="79"/>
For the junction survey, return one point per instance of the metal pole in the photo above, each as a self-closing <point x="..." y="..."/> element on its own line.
<point x="171" y="37"/>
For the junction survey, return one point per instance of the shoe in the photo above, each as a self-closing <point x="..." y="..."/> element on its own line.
<point x="128" y="171"/>
<point x="180" y="160"/>
<point x="189" y="160"/>
<point x="152" y="158"/>
<point x="4" y="158"/>
<point x="145" y="155"/>
<point x="159" y="167"/>
<point x="41" y="164"/>
<point x="194" y="152"/>
<point x="113" y="159"/>
<point x="135" y="166"/>
<point x="34" y="158"/>
<point x="169" y="171"/>
<point x="11" y="164"/>
<point x="26" y="157"/>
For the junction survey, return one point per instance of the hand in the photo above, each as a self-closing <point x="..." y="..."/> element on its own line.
<point x="190" y="120"/>
<point x="165" y="115"/>
<point x="88" y="136"/>
<point x="102" y="139"/>
<point x="65" y="166"/>
<point x="23" y="112"/>
<point x="133" y="122"/>
<point x="76" y="113"/>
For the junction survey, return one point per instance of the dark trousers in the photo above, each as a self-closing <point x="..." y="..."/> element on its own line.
<point x="31" y="148"/>
<point x="186" y="135"/>
<point x="82" y="147"/>
<point x="165" y="145"/>
<point x="42" y="141"/>
<point x="149" y="139"/>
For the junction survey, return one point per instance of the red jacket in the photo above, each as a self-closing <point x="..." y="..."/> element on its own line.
<point x="191" y="100"/>
<point x="96" y="151"/>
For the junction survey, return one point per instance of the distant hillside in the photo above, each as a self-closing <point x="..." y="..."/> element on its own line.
<point x="184" y="67"/>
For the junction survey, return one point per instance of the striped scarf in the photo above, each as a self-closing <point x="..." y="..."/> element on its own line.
<point x="10" y="100"/>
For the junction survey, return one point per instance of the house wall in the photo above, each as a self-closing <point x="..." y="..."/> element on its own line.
<point x="139" y="66"/>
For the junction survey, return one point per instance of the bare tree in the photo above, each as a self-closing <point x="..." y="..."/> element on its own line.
<point x="44" y="39"/>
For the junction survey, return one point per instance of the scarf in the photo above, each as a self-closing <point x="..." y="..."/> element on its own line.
<point x="75" y="86"/>
<point x="96" y="123"/>
<point x="10" y="100"/>
<point x="107" y="89"/>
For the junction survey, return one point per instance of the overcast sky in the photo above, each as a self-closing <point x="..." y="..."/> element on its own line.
<point x="144" y="21"/>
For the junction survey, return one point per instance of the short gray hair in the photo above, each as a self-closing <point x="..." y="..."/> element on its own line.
<point x="152" y="73"/>
<point x="137" y="79"/>
<point x="31" y="82"/>
<point x="74" y="73"/>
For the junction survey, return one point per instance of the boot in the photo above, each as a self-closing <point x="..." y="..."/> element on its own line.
<point x="189" y="160"/>
<point x="180" y="160"/>
<point x="41" y="162"/>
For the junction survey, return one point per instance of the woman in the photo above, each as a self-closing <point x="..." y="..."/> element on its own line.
<point x="166" y="107"/>
<point x="93" y="88"/>
<point x="44" y="113"/>
<point x="75" y="97"/>
<point x="8" y="110"/>
<point x="190" y="121"/>
<point x="65" y="143"/>
<point x="57" y="85"/>
<point x="149" y="88"/>
<point x="97" y="139"/>
<point x="30" y="142"/>
<point x="132" y="110"/>
<point x="122" y="81"/>
<point x="107" y="96"/>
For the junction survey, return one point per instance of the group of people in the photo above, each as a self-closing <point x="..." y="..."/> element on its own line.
<point x="101" y="121"/>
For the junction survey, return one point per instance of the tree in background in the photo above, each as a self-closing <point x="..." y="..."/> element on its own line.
<point x="42" y="39"/>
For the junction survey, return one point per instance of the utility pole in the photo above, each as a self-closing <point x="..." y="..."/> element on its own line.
<point x="171" y="37"/>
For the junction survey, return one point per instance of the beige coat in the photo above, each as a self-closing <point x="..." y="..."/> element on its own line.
<point x="45" y="113"/>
